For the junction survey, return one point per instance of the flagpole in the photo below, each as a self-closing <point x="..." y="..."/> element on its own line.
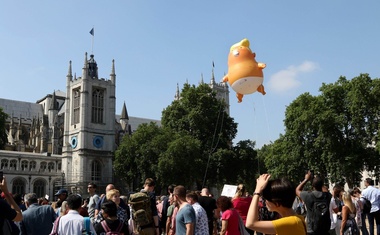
<point x="92" y="32"/>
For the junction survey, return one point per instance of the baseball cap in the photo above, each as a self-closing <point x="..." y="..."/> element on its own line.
<point x="61" y="191"/>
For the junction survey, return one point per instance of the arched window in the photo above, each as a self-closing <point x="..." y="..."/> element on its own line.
<point x="4" y="163"/>
<point x="39" y="188"/>
<point x="51" y="166"/>
<point x="43" y="166"/>
<point x="18" y="186"/>
<point x="24" y="165"/>
<point x="76" y="106"/>
<point x="13" y="164"/>
<point x="97" y="105"/>
<point x="95" y="171"/>
<point x="32" y="165"/>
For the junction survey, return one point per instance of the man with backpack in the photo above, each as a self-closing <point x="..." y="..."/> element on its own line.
<point x="73" y="222"/>
<point x="144" y="210"/>
<point x="372" y="194"/>
<point x="317" y="205"/>
<point x="111" y="225"/>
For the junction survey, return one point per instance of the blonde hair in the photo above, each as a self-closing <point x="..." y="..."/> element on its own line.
<point x="64" y="208"/>
<point x="347" y="201"/>
<point x="112" y="193"/>
<point x="240" y="191"/>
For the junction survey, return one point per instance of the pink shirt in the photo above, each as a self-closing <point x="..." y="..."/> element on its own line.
<point x="232" y="216"/>
<point x="241" y="205"/>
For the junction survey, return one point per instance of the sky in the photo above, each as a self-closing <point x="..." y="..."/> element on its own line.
<point x="159" y="44"/>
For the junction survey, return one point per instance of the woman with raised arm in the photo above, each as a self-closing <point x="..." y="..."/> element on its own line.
<point x="279" y="195"/>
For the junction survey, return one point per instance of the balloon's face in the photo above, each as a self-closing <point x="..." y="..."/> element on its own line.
<point x="242" y="64"/>
<point x="240" y="54"/>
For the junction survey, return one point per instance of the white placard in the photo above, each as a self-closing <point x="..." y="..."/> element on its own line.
<point x="229" y="190"/>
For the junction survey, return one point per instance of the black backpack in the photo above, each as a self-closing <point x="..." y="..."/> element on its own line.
<point x="320" y="221"/>
<point x="367" y="206"/>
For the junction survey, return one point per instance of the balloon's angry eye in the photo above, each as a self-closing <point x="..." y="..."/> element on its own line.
<point x="235" y="52"/>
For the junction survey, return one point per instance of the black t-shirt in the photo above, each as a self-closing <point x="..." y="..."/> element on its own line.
<point x="112" y="224"/>
<point x="164" y="216"/>
<point x="209" y="204"/>
<point x="152" y="196"/>
<point x="6" y="212"/>
<point x="309" y="198"/>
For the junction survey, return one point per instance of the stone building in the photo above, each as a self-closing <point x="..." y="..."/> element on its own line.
<point x="65" y="139"/>
<point x="68" y="138"/>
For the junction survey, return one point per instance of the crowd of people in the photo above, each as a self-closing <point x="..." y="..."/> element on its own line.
<point x="276" y="206"/>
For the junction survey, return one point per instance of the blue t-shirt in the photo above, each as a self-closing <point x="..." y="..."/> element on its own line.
<point x="184" y="216"/>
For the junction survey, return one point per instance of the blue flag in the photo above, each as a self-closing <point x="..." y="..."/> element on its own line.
<point x="92" y="32"/>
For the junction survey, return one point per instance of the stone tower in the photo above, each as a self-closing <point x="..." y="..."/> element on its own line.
<point x="221" y="90"/>
<point x="89" y="128"/>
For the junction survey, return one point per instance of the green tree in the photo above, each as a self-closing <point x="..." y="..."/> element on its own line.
<point x="333" y="133"/>
<point x="3" y="135"/>
<point x="180" y="162"/>
<point x="138" y="155"/>
<point x="351" y="124"/>
<point x="239" y="165"/>
<point x="249" y="163"/>
<point x="200" y="114"/>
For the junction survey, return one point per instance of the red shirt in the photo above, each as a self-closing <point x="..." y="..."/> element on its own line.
<point x="232" y="217"/>
<point x="241" y="205"/>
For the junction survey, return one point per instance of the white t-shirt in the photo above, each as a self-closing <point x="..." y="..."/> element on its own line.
<point x="333" y="215"/>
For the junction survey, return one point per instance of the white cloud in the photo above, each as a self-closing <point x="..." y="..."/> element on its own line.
<point x="287" y="79"/>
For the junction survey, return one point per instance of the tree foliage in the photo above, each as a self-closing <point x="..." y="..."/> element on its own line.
<point x="334" y="133"/>
<point x="137" y="157"/>
<point x="193" y="147"/>
<point x="199" y="114"/>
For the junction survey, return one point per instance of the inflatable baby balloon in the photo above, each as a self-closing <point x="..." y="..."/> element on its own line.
<point x="245" y="75"/>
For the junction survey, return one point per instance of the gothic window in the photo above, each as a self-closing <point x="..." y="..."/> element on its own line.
<point x="24" y="165"/>
<point x="97" y="105"/>
<point x="39" y="188"/>
<point x="18" y="186"/>
<point x="43" y="166"/>
<point x="95" y="171"/>
<point x="13" y="164"/>
<point x="59" y="167"/>
<point x="50" y="134"/>
<point x="51" y="166"/>
<point x="32" y="165"/>
<point x="4" y="163"/>
<point x="76" y="105"/>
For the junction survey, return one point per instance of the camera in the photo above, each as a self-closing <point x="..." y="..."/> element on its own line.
<point x="312" y="174"/>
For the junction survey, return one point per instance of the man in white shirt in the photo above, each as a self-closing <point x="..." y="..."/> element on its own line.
<point x="201" y="224"/>
<point x="373" y="195"/>
<point x="73" y="222"/>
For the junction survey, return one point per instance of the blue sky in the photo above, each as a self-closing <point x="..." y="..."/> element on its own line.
<point x="157" y="44"/>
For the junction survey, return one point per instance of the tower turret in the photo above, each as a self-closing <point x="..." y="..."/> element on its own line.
<point x="124" y="119"/>
<point x="113" y="75"/>
<point x="92" y="68"/>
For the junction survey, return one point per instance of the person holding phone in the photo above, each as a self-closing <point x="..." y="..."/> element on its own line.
<point x="9" y="208"/>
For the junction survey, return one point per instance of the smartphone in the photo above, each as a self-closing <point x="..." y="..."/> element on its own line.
<point x="312" y="174"/>
<point x="1" y="176"/>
